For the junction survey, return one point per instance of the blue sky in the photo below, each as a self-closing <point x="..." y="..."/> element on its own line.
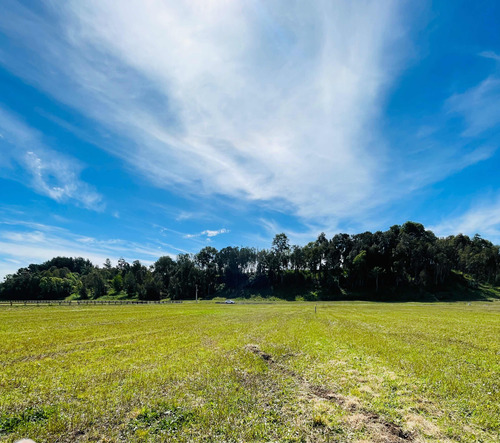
<point x="160" y="127"/>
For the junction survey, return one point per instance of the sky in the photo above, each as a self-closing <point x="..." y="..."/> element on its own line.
<point x="139" y="129"/>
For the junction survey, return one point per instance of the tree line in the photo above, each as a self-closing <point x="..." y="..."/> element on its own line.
<point x="405" y="257"/>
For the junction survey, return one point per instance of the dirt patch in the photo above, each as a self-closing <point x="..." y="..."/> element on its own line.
<point x="348" y="403"/>
<point x="360" y="418"/>
<point x="257" y="351"/>
<point x="383" y="431"/>
<point x="77" y="435"/>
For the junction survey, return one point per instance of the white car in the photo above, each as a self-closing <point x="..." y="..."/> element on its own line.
<point x="229" y="302"/>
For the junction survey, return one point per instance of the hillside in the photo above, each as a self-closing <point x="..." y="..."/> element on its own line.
<point x="406" y="262"/>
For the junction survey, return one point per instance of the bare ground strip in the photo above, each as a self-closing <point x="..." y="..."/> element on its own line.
<point x="385" y="431"/>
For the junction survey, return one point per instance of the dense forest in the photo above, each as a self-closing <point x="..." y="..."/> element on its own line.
<point x="405" y="259"/>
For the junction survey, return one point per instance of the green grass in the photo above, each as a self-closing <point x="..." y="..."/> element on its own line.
<point x="351" y="371"/>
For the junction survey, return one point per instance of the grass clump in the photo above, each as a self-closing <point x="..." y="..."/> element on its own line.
<point x="11" y="422"/>
<point x="163" y="418"/>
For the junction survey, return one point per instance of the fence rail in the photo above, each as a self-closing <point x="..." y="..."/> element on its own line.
<point x="87" y="302"/>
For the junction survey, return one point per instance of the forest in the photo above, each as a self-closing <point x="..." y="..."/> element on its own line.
<point x="405" y="261"/>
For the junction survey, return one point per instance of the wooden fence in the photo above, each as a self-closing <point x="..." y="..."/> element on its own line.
<point x="87" y="302"/>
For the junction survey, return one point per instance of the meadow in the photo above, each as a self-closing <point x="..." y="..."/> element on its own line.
<point x="339" y="371"/>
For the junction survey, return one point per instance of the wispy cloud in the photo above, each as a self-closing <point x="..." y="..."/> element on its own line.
<point x="490" y="54"/>
<point x="46" y="171"/>
<point x="240" y="99"/>
<point x="435" y="163"/>
<point x="299" y="237"/>
<point x="482" y="218"/>
<point x="428" y="159"/>
<point x="479" y="104"/>
<point x="277" y="104"/>
<point x="23" y="243"/>
<point x="56" y="177"/>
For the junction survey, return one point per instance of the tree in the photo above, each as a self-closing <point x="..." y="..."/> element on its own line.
<point x="360" y="268"/>
<point x="185" y="278"/>
<point x="281" y="244"/>
<point x="118" y="283"/>
<point x="55" y="288"/>
<point x="228" y="262"/>
<point x="403" y="256"/>
<point x="23" y="285"/>
<point x="82" y="291"/>
<point x="297" y="258"/>
<point x="164" y="268"/>
<point x="139" y="271"/>
<point x="96" y="284"/>
<point x="376" y="272"/>
<point x="151" y="289"/>
<point x="312" y="256"/>
<point x="281" y="249"/>
<point x="206" y="260"/>
<point x="122" y="265"/>
<point x="130" y="284"/>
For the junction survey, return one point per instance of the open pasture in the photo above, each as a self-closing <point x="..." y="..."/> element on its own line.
<point x="271" y="372"/>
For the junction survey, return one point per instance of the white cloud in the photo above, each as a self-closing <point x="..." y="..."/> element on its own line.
<point x="36" y="243"/>
<point x="49" y="172"/>
<point x="186" y="215"/>
<point x="483" y="218"/>
<point x="478" y="106"/>
<point x="297" y="237"/>
<point x="270" y="102"/>
<point x="55" y="177"/>
<point x="435" y="163"/>
<point x="490" y="54"/>
<point x="208" y="233"/>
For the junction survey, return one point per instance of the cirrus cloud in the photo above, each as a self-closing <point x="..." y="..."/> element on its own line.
<point x="25" y="158"/>
<point x="275" y="104"/>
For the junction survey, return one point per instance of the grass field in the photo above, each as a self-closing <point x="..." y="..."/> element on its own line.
<point x="275" y="372"/>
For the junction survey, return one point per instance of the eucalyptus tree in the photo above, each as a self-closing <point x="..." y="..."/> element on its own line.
<point x="164" y="269"/>
<point x="206" y="260"/>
